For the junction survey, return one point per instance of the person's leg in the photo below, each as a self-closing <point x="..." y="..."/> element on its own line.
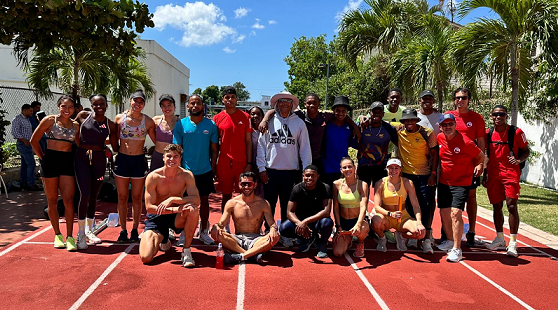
<point x="498" y="216"/>
<point x="457" y="226"/>
<point x="261" y="245"/>
<point x="51" y="192"/>
<point x="149" y="245"/>
<point x="513" y="215"/>
<point x="137" y="194"/>
<point x="122" y="185"/>
<point x="204" y="212"/>
<point x="340" y="244"/>
<point x="27" y="172"/>
<point x="445" y="214"/>
<point x="288" y="229"/>
<point x="286" y="186"/>
<point x="83" y="182"/>
<point x="271" y="191"/>
<point x="228" y="240"/>
<point x="324" y="227"/>
<point x="187" y="220"/>
<point x="409" y="229"/>
<point x="472" y="209"/>
<point x="364" y="229"/>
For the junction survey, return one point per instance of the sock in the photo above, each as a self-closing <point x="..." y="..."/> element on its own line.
<point x="81" y="225"/>
<point x="500" y="235"/>
<point x="89" y="225"/>
<point x="513" y="237"/>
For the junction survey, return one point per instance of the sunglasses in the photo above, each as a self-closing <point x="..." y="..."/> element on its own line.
<point x="247" y="183"/>
<point x="502" y="114"/>
<point x="285" y="100"/>
<point x="461" y="97"/>
<point x="448" y="124"/>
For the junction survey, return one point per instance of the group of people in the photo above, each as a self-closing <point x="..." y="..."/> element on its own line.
<point x="299" y="157"/>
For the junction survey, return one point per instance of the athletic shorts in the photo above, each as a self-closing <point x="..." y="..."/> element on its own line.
<point x="204" y="183"/>
<point x="371" y="174"/>
<point x="398" y="225"/>
<point x="247" y="241"/>
<point x="228" y="172"/>
<point x="57" y="163"/>
<point x="452" y="196"/>
<point x="156" y="161"/>
<point x="131" y="166"/>
<point x="498" y="189"/>
<point x="475" y="183"/>
<point x="93" y="161"/>
<point x="348" y="224"/>
<point x="161" y="224"/>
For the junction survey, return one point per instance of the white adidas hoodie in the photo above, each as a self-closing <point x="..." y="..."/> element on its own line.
<point x="285" y="140"/>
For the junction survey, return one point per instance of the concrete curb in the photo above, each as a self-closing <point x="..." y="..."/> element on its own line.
<point x="524" y="229"/>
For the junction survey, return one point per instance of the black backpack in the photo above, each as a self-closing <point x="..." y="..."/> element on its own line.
<point x="511" y="135"/>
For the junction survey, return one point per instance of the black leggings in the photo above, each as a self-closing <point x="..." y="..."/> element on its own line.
<point x="90" y="169"/>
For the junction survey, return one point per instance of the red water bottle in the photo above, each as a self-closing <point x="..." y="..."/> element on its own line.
<point x="219" y="254"/>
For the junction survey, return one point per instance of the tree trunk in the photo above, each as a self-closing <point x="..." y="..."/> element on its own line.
<point x="515" y="85"/>
<point x="440" y="91"/>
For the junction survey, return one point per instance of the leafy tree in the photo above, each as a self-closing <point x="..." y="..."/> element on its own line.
<point x="44" y="25"/>
<point x="197" y="91"/>
<point x="241" y="91"/>
<point x="508" y="43"/>
<point x="212" y="93"/>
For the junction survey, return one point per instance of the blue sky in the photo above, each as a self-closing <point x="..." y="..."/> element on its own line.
<point x="227" y="41"/>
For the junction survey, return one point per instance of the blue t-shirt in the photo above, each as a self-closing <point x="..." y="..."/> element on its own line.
<point x="336" y="146"/>
<point x="373" y="145"/>
<point x="195" y="140"/>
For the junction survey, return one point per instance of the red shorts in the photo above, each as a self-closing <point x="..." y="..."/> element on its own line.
<point x="228" y="172"/>
<point x="498" y="189"/>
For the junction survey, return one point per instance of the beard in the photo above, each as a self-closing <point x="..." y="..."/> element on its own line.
<point x="196" y="113"/>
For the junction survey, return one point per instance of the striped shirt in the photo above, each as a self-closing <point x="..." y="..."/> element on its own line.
<point x="21" y="128"/>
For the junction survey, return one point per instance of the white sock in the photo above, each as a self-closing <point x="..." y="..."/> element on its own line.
<point x="81" y="226"/>
<point x="89" y="225"/>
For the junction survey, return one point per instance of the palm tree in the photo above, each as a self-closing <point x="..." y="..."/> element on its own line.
<point x="507" y="43"/>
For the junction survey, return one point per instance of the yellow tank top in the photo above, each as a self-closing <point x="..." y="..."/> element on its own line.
<point x="351" y="200"/>
<point x="392" y="198"/>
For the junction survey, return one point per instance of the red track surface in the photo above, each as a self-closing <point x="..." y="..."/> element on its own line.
<point x="107" y="276"/>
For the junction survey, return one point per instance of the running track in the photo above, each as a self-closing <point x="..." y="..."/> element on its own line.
<point x="107" y="276"/>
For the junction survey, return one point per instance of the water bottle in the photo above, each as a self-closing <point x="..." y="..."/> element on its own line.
<point x="219" y="254"/>
<point x="465" y="230"/>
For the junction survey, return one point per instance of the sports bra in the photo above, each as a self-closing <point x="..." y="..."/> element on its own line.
<point x="161" y="135"/>
<point x="93" y="133"/>
<point x="392" y="198"/>
<point x="351" y="200"/>
<point x="61" y="133"/>
<point x="132" y="133"/>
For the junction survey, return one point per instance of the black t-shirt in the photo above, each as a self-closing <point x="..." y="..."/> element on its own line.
<point x="309" y="202"/>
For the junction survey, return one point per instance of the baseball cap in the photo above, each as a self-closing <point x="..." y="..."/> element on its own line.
<point x="166" y="97"/>
<point x="228" y="90"/>
<point x="393" y="161"/>
<point x="138" y="94"/>
<point x="376" y="104"/>
<point x="427" y="92"/>
<point x="446" y="117"/>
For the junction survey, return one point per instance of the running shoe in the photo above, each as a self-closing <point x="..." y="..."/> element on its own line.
<point x="322" y="251"/>
<point x="123" y="238"/>
<point x="232" y="259"/>
<point x="412" y="243"/>
<point x="512" y="249"/>
<point x="187" y="259"/>
<point x="205" y="238"/>
<point x="454" y="255"/>
<point x="389" y="236"/>
<point x="400" y="241"/>
<point x="286" y="242"/>
<point x="93" y="238"/>
<point x="181" y="239"/>
<point x="305" y="244"/>
<point x="59" y="242"/>
<point x="81" y="242"/>
<point x="165" y="246"/>
<point x="427" y="246"/>
<point x="497" y="244"/>
<point x="445" y="246"/>
<point x="71" y="244"/>
<point x="472" y="241"/>
<point x="359" y="252"/>
<point x="172" y="235"/>
<point x="382" y="244"/>
<point x="134" y="236"/>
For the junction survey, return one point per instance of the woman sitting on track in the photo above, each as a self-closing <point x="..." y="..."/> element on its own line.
<point x="91" y="163"/>
<point x="57" y="166"/>
<point x="163" y="130"/>
<point x="349" y="208"/>
<point x="131" y="165"/>
<point x="389" y="201"/>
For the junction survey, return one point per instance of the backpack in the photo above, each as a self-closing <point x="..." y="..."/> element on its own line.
<point x="511" y="135"/>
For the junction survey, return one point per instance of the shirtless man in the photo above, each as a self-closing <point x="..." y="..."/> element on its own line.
<point x="166" y="208"/>
<point x="248" y="212"/>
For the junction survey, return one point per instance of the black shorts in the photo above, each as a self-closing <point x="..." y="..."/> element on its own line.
<point x="371" y="174"/>
<point x="204" y="183"/>
<point x="348" y="224"/>
<point x="130" y="166"/>
<point x="156" y="161"/>
<point x="57" y="163"/>
<point x="452" y="196"/>
<point x="476" y="183"/>
<point x="161" y="224"/>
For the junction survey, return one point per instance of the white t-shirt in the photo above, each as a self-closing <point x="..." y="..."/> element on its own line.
<point x="430" y="121"/>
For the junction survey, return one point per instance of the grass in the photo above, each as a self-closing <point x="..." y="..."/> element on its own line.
<point x="537" y="207"/>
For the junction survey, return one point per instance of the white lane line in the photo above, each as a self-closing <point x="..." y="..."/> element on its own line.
<point x="240" y="288"/>
<point x="369" y="286"/>
<point x="13" y="247"/>
<point x="519" y="241"/>
<point x="107" y="271"/>
<point x="39" y="242"/>
<point x="503" y="290"/>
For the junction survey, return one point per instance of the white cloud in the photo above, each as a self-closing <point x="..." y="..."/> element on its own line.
<point x="239" y="39"/>
<point x="257" y="25"/>
<point x="198" y="21"/>
<point x="241" y="12"/>
<point x="228" y="50"/>
<point x="352" y="5"/>
<point x="252" y="33"/>
<point x="272" y="22"/>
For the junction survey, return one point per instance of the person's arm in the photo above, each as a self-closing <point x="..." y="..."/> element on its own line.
<point x="150" y="125"/>
<point x="44" y="125"/>
<point x="481" y="143"/>
<point x="356" y="129"/>
<point x="479" y="159"/>
<point x="218" y="229"/>
<point x="378" y="190"/>
<point x="113" y="137"/>
<point x="434" y="165"/>
<point x="410" y="188"/>
<point x="363" y="191"/>
<point x="76" y="138"/>
<point x="260" y="157"/>
<point x="304" y="147"/>
<point x="17" y="131"/>
<point x="264" y="123"/>
<point x="336" y="214"/>
<point x="214" y="150"/>
<point x="177" y="133"/>
<point x="273" y="229"/>
<point x="248" y="140"/>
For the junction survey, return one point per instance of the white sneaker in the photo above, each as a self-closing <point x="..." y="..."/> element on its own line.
<point x="427" y="246"/>
<point x="497" y="244"/>
<point x="446" y="245"/>
<point x="81" y="242"/>
<point x="382" y="244"/>
<point x="286" y="242"/>
<point x="181" y="239"/>
<point x="512" y="249"/>
<point x="454" y="255"/>
<point x="412" y="243"/>
<point x="92" y="238"/>
<point x="400" y="241"/>
<point x="165" y="246"/>
<point x="205" y="238"/>
<point x="187" y="259"/>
